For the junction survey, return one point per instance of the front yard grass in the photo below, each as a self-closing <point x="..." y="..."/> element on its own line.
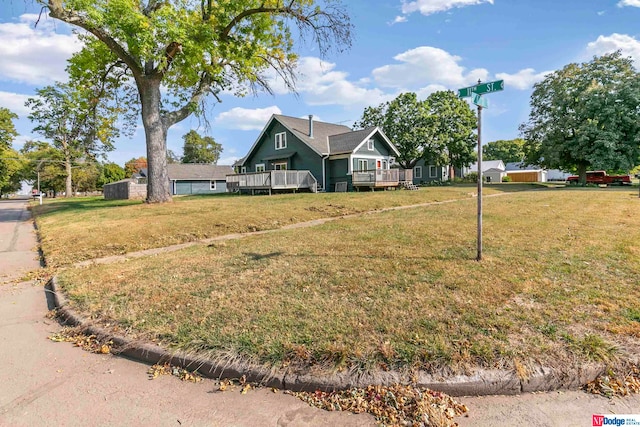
<point x="559" y="285"/>
<point x="73" y="230"/>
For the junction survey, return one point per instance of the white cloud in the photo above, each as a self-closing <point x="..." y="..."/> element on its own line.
<point x="523" y="79"/>
<point x="227" y="161"/>
<point x="321" y="84"/>
<point x="34" y="55"/>
<point x="398" y="19"/>
<point x="633" y="3"/>
<point x="426" y="64"/>
<point x="607" y="44"/>
<point x="15" y="103"/>
<point x="246" y="119"/>
<point x="424" y="92"/>
<point x="428" y="7"/>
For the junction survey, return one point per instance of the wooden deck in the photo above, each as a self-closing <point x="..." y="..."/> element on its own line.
<point x="376" y="179"/>
<point x="285" y="180"/>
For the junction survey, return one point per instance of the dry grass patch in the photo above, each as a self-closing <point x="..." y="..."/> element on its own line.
<point x="74" y="230"/>
<point x="559" y="285"/>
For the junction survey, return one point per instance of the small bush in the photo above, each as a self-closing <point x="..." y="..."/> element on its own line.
<point x="506" y="179"/>
<point x="471" y="177"/>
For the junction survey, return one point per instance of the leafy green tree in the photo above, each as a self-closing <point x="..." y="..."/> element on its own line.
<point x="74" y="118"/>
<point x="110" y="172"/>
<point x="86" y="176"/>
<point x="198" y="149"/>
<point x="134" y="166"/>
<point x="509" y="151"/>
<point x="11" y="167"/>
<point x="407" y="123"/>
<point x="586" y="116"/>
<point x="195" y="48"/>
<point x="9" y="163"/>
<point x="7" y="129"/>
<point x="454" y="123"/>
<point x="44" y="168"/>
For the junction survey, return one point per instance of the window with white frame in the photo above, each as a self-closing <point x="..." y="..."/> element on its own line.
<point x="281" y="140"/>
<point x="260" y="167"/>
<point x="282" y="166"/>
<point x="433" y="172"/>
<point x="212" y="185"/>
<point x="370" y="145"/>
<point x="243" y="169"/>
<point x="363" y="165"/>
<point x="417" y="172"/>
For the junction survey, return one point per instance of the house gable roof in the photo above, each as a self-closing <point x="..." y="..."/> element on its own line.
<point x="300" y="129"/>
<point x="198" y="172"/>
<point x="521" y="166"/>
<point x="488" y="164"/>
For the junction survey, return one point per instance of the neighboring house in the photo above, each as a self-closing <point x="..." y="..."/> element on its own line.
<point x="185" y="178"/>
<point x="293" y="153"/>
<point x="486" y="165"/>
<point x="521" y="172"/>
<point x="189" y="178"/>
<point x="424" y="173"/>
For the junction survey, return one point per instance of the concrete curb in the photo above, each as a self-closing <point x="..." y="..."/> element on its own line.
<point x="481" y="383"/>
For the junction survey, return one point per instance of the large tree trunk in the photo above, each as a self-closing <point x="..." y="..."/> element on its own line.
<point x="68" y="188"/>
<point x="158" y="188"/>
<point x="582" y="173"/>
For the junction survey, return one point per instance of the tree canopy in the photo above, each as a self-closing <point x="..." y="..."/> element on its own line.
<point x="438" y="129"/>
<point x="198" y="149"/>
<point x="77" y="121"/>
<point x="405" y="120"/>
<point x="192" y="49"/>
<point x="10" y="166"/>
<point x="134" y="166"/>
<point x="454" y="123"/>
<point x="509" y="151"/>
<point x="586" y="116"/>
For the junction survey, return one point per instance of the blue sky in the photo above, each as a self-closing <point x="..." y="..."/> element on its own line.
<point x="419" y="46"/>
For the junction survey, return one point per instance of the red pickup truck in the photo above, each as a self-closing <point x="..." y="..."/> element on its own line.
<point x="601" y="177"/>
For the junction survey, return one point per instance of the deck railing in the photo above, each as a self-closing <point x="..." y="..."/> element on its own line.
<point x="378" y="177"/>
<point x="273" y="180"/>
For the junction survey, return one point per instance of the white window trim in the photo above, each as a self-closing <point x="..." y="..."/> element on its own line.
<point x="283" y="140"/>
<point x="435" y="169"/>
<point x="371" y="144"/>
<point x="286" y="166"/>
<point x="212" y="185"/>
<point x="417" y="172"/>
<point x="260" y="165"/>
<point x="363" y="162"/>
<point x="243" y="169"/>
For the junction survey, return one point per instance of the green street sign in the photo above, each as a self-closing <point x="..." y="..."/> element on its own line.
<point x="481" y="89"/>
<point x="480" y="101"/>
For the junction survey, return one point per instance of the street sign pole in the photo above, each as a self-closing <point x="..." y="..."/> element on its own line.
<point x="480" y="179"/>
<point x="476" y="92"/>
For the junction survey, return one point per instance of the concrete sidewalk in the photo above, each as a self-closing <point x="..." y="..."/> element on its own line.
<point x="18" y="243"/>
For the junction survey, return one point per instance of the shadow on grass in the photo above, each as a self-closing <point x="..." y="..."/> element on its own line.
<point x="81" y="205"/>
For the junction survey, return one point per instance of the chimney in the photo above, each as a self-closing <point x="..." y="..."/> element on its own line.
<point x="310" y="125"/>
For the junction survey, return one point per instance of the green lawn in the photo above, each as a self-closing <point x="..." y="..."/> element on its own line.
<point x="559" y="283"/>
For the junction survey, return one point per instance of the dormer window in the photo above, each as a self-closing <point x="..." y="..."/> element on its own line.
<point x="281" y="140"/>
<point x="370" y="145"/>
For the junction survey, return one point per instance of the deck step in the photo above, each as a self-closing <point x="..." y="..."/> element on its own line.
<point x="409" y="186"/>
